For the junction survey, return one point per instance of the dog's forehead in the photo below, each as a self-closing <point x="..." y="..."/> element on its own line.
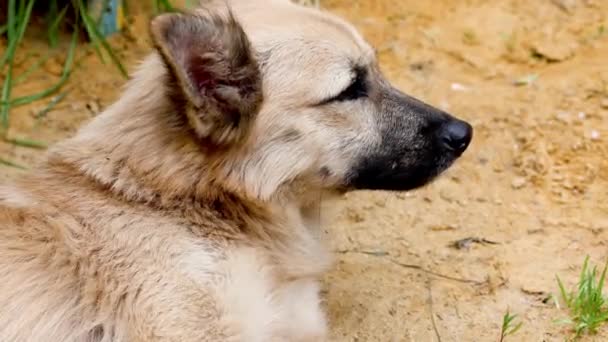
<point x="275" y="23"/>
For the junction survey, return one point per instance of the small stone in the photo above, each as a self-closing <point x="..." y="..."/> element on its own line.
<point x="400" y="196"/>
<point x="380" y="203"/>
<point x="354" y="215"/>
<point x="594" y="135"/>
<point x="54" y="67"/>
<point x="446" y="196"/>
<point x="518" y="183"/>
<point x="458" y="87"/>
<point x="565" y="5"/>
<point x="563" y="117"/>
<point x="76" y="106"/>
<point x="582" y="115"/>
<point x="443" y="227"/>
<point x="93" y="107"/>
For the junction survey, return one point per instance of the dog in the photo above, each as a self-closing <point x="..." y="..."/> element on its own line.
<point x="186" y="211"/>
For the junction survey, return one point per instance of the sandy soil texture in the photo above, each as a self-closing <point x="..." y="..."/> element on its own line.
<point x="530" y="195"/>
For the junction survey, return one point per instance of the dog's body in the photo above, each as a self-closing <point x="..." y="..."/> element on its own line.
<point x="187" y="211"/>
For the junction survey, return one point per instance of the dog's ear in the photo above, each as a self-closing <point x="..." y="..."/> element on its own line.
<point x="211" y="59"/>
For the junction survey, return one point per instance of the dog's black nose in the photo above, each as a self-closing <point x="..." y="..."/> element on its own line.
<point x="456" y="135"/>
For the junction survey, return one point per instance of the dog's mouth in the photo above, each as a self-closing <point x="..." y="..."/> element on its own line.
<point x="394" y="177"/>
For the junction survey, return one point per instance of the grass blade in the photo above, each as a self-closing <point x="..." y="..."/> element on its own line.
<point x="167" y="6"/>
<point x="51" y="104"/>
<point x="15" y="34"/>
<point x="587" y="305"/>
<point x="603" y="276"/>
<point x="562" y="290"/>
<point x="98" y="39"/>
<point x="11" y="19"/>
<point x="507" y="326"/>
<point x="7" y="85"/>
<point x="162" y="6"/>
<point x="67" y="68"/>
<point x="82" y="14"/>
<point x="515" y="329"/>
<point x="23" y="142"/>
<point x="190" y="4"/>
<point x="5" y="98"/>
<point x="54" y="27"/>
<point x="7" y="162"/>
<point x="32" y="69"/>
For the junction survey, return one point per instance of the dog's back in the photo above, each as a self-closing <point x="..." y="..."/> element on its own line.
<point x="39" y="291"/>
<point x="77" y="265"/>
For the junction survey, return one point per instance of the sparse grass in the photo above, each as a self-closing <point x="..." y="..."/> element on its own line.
<point x="11" y="163"/>
<point x="469" y="37"/>
<point x="587" y="305"/>
<point x="18" y="15"/>
<point x="18" y="19"/>
<point x="509" y="326"/>
<point x="97" y="39"/>
<point x="163" y="6"/>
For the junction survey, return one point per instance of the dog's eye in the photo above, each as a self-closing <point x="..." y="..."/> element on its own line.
<point x="357" y="89"/>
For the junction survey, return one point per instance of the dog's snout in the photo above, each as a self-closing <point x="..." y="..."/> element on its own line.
<point x="455" y="135"/>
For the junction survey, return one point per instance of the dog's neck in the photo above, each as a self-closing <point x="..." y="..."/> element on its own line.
<point x="138" y="150"/>
<point x="134" y="146"/>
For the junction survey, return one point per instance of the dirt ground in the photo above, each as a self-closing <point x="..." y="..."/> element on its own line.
<point x="532" y="78"/>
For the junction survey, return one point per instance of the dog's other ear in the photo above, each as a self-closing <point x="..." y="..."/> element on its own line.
<point x="211" y="59"/>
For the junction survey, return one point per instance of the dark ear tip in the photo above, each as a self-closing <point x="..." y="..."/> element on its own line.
<point x="159" y="24"/>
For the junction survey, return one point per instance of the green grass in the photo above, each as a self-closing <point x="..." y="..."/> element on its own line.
<point x="97" y="39"/>
<point x="19" y="13"/>
<point x="6" y="162"/>
<point x="509" y="327"/>
<point x="587" y="305"/>
<point x="162" y="6"/>
<point x="17" y="22"/>
<point x="18" y="18"/>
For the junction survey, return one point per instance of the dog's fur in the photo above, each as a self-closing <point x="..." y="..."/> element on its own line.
<point x="187" y="210"/>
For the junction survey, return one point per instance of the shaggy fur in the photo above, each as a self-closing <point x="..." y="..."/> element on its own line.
<point x="187" y="210"/>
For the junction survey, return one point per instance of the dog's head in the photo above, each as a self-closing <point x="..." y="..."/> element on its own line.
<point x="293" y="100"/>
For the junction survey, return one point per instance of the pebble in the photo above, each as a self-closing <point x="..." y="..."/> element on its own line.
<point x="595" y="135"/>
<point x="458" y="87"/>
<point x="518" y="183"/>
<point x="93" y="107"/>
<point x="563" y="117"/>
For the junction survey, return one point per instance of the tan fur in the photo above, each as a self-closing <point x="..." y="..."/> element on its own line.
<point x="163" y="219"/>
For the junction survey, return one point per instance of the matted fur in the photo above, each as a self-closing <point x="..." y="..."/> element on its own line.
<point x="187" y="210"/>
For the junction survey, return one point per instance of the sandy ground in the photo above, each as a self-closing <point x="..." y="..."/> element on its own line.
<point x="534" y="181"/>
